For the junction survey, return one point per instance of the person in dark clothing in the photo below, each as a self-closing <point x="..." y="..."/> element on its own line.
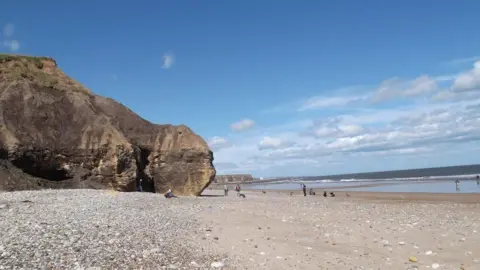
<point x="478" y="180"/>
<point x="325" y="194"/>
<point x="140" y="188"/>
<point x="170" y="195"/>
<point x="304" y="190"/>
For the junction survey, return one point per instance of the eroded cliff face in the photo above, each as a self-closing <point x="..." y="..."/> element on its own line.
<point x="55" y="133"/>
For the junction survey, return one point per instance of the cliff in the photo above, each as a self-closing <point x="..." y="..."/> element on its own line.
<point x="55" y="133"/>
<point x="233" y="178"/>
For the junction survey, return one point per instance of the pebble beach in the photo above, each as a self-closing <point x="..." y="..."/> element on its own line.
<point x="96" y="229"/>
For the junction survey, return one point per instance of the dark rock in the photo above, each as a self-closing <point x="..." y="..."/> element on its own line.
<point x="55" y="133"/>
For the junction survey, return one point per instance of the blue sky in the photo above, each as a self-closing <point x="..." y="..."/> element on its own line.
<point x="278" y="87"/>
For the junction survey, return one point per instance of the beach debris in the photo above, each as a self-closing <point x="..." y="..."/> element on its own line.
<point x="429" y="252"/>
<point x="413" y="259"/>
<point x="217" y="264"/>
<point x="385" y="242"/>
<point x="401" y="243"/>
<point x="215" y="238"/>
<point x="435" y="265"/>
<point x="172" y="266"/>
<point x="278" y="257"/>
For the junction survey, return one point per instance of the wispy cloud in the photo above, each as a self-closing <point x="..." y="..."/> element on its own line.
<point x="7" y="41"/>
<point x="242" y="125"/>
<point x="469" y="80"/>
<point x="465" y="60"/>
<point x="216" y="143"/>
<point x="168" y="60"/>
<point x="9" y="30"/>
<point x="427" y="120"/>
<point x="12" y="45"/>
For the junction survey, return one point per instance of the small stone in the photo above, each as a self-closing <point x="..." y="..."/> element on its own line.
<point x="429" y="252"/>
<point x="255" y="246"/>
<point x="2" y="206"/>
<point x="215" y="238"/>
<point x="194" y="264"/>
<point x="435" y="265"/>
<point x="278" y="257"/>
<point x="401" y="243"/>
<point x="413" y="259"/>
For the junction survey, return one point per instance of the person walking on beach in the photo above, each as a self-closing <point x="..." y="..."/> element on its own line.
<point x="478" y="180"/>
<point x="237" y="188"/>
<point x="304" y="190"/>
<point x="225" y="188"/>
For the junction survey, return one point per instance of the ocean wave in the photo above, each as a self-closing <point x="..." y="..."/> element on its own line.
<point x="300" y="181"/>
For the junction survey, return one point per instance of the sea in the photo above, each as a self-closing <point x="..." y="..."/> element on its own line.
<point x="426" y="184"/>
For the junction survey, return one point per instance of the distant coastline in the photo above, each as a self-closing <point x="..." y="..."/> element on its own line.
<point x="424" y="173"/>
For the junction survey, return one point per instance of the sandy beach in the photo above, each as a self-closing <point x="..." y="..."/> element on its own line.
<point x="77" y="229"/>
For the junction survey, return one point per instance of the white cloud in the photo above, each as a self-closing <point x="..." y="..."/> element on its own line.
<point x="469" y="80"/>
<point x="421" y="85"/>
<point x="395" y="87"/>
<point x="168" y="60"/>
<point x="320" y="102"/>
<point x="8" y="30"/>
<point x="332" y="127"/>
<point x="464" y="60"/>
<point x="431" y="123"/>
<point x="12" y="45"/>
<point x="216" y="143"/>
<point x="273" y="143"/>
<point x="242" y="125"/>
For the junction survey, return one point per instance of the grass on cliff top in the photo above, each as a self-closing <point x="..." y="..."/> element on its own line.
<point x="36" y="60"/>
<point x="31" y="68"/>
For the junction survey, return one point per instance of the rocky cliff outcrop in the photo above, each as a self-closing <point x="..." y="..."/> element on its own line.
<point x="233" y="178"/>
<point x="55" y="133"/>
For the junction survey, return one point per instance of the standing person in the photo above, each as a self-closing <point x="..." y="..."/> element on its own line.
<point x="225" y="188"/>
<point x="304" y="190"/>
<point x="478" y="180"/>
<point x="237" y="188"/>
<point x="140" y="185"/>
